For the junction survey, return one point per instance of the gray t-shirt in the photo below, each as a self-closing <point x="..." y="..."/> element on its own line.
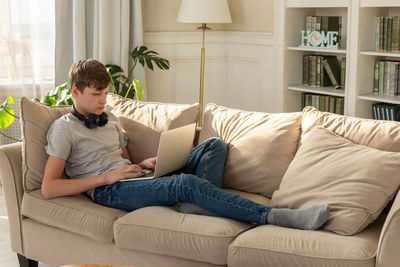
<point x="87" y="152"/>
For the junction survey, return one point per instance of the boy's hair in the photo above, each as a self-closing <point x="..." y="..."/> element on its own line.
<point x="88" y="73"/>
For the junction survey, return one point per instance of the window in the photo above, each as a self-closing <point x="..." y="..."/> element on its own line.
<point x="27" y="46"/>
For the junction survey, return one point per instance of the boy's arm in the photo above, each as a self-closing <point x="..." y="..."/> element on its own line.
<point x="54" y="186"/>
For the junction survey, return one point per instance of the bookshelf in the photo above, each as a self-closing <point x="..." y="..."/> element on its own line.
<point x="358" y="31"/>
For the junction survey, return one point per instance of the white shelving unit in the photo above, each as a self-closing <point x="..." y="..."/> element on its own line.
<point x="366" y="12"/>
<point x="358" y="31"/>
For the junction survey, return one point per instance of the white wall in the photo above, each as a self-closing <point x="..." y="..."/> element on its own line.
<point x="239" y="70"/>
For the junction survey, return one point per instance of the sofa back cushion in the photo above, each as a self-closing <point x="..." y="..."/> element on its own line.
<point x="36" y="120"/>
<point x="260" y="146"/>
<point x="143" y="122"/>
<point x="356" y="181"/>
<point x="383" y="135"/>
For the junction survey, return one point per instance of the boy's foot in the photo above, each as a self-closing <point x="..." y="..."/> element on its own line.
<point x="306" y="219"/>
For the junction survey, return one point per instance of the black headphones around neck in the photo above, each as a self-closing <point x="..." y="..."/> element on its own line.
<point x="91" y="121"/>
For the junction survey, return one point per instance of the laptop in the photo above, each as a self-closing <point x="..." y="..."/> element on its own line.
<point x="173" y="152"/>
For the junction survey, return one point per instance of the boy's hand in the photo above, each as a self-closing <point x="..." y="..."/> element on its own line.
<point x="124" y="172"/>
<point x="149" y="163"/>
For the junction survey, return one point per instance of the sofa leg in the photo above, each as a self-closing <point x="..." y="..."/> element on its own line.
<point x="25" y="262"/>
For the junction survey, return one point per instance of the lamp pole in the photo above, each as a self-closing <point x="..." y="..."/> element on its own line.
<point x="203" y="56"/>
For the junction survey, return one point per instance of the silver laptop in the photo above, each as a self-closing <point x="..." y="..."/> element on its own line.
<point x="173" y="152"/>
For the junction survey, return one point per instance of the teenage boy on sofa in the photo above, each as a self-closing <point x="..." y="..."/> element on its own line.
<point x="89" y="144"/>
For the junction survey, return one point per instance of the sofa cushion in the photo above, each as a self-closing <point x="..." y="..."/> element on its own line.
<point x="261" y="146"/>
<point x="77" y="214"/>
<point x="270" y="245"/>
<point x="36" y="120"/>
<point x="163" y="230"/>
<point x="379" y="134"/>
<point x="355" y="180"/>
<point x="143" y="122"/>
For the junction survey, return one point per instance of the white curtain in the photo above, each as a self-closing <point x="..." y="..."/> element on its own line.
<point x="26" y="47"/>
<point x="102" y="29"/>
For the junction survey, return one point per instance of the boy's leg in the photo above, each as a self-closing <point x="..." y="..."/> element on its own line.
<point x="167" y="191"/>
<point x="207" y="160"/>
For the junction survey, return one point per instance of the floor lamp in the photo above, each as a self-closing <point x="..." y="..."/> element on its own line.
<point x="203" y="12"/>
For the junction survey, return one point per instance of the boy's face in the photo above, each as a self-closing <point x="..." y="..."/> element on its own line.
<point x="91" y="100"/>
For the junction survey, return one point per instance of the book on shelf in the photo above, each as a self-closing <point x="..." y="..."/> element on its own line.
<point x="381" y="76"/>
<point x="308" y="23"/>
<point x="318" y="75"/>
<point x="314" y="73"/>
<point x="387" y="34"/>
<point x="343" y="72"/>
<point x="396" y="34"/>
<point x="326" y="103"/>
<point x="386" y="77"/>
<point x="396" y="80"/>
<point x="305" y="69"/>
<point x="377" y="34"/>
<point x="386" y="111"/>
<point x="392" y="75"/>
<point x="333" y="69"/>
<point x="339" y="105"/>
<point x="376" y="77"/>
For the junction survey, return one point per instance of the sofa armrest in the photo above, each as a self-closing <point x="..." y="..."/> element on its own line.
<point x="11" y="180"/>
<point x="388" y="246"/>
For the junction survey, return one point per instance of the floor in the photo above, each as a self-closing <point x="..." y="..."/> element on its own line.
<point x="7" y="257"/>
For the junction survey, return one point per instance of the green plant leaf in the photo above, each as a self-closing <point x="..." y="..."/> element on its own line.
<point x="150" y="52"/>
<point x="48" y="100"/>
<point x="10" y="100"/>
<point x="113" y="69"/>
<point x="149" y="64"/>
<point x="165" y="63"/>
<point x="5" y="118"/>
<point x="69" y="100"/>
<point x="138" y="89"/>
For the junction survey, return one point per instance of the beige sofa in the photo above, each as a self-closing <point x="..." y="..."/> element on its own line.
<point x="75" y="230"/>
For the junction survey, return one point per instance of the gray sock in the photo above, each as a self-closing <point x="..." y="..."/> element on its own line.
<point x="194" y="209"/>
<point x="307" y="219"/>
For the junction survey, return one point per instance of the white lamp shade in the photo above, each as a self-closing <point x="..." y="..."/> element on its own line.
<point x="204" y="11"/>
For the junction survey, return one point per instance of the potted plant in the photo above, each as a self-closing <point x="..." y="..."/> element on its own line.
<point x="121" y="84"/>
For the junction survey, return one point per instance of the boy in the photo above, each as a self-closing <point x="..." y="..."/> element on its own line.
<point x="89" y="144"/>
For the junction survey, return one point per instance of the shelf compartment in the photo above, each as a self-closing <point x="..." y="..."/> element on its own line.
<point x="380" y="54"/>
<point x="318" y="90"/>
<point x="380" y="98"/>
<point x="316" y="3"/>
<point x="319" y="50"/>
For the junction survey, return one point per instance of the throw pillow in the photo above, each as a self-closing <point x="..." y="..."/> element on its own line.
<point x="36" y="120"/>
<point x="260" y="146"/>
<point x="143" y="122"/>
<point x="379" y="134"/>
<point x="356" y="181"/>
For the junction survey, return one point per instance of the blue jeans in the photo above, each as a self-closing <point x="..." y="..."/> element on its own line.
<point x="199" y="182"/>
